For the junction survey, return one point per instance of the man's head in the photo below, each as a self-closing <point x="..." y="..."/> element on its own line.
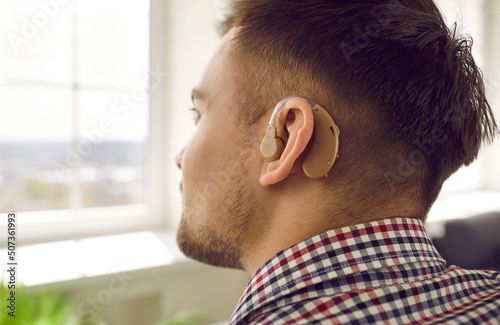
<point x="403" y="89"/>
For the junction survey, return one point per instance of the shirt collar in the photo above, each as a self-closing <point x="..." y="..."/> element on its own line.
<point x="336" y="253"/>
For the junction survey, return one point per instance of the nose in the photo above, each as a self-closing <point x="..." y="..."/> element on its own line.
<point x="178" y="158"/>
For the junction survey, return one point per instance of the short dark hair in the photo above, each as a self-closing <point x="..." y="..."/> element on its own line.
<point x="403" y="87"/>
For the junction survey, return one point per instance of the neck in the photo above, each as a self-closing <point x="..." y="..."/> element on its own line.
<point x="292" y="216"/>
<point x="287" y="220"/>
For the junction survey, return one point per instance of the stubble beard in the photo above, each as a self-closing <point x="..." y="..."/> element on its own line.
<point x="224" y="245"/>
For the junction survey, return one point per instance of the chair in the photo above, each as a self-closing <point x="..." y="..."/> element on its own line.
<point x="472" y="243"/>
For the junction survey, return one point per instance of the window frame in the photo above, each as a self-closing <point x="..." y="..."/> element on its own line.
<point x="52" y="225"/>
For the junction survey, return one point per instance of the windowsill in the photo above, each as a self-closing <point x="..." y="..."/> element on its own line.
<point x="149" y="252"/>
<point x="70" y="261"/>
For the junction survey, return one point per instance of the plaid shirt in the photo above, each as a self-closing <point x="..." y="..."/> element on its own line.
<point x="385" y="271"/>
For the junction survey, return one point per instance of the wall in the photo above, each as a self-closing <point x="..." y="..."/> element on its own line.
<point x="146" y="296"/>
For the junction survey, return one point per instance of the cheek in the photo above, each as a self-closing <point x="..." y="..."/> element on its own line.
<point x="194" y="163"/>
<point x="204" y="156"/>
<point x="196" y="160"/>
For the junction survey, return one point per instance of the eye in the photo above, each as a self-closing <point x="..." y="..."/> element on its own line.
<point x="195" y="114"/>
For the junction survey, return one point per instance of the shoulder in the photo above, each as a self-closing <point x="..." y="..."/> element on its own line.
<point x="455" y="296"/>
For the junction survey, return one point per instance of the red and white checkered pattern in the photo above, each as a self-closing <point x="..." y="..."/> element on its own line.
<point x="382" y="272"/>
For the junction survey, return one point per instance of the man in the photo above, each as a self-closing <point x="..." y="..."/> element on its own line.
<point x="350" y="247"/>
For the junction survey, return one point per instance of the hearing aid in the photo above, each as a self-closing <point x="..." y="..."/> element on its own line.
<point x="324" y="142"/>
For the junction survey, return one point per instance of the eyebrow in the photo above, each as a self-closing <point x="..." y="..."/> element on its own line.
<point x="196" y="94"/>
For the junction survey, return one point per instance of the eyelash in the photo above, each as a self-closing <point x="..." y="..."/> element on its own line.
<point x="195" y="112"/>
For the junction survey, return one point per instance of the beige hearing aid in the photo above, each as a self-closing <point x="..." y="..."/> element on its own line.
<point x="324" y="141"/>
<point x="272" y="146"/>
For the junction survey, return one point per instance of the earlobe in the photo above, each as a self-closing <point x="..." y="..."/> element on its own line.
<point x="297" y="132"/>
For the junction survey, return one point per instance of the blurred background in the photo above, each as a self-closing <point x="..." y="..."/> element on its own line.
<point x="93" y="109"/>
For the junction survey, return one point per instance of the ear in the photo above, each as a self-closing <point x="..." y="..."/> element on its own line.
<point x="295" y="126"/>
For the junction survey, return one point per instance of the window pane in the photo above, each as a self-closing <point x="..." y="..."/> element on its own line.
<point x="35" y="133"/>
<point x="36" y="41"/>
<point x="113" y="147"/>
<point x="113" y="174"/>
<point x="114" y="38"/>
<point x="62" y="67"/>
<point x="118" y="115"/>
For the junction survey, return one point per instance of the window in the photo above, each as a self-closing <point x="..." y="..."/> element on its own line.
<point x="75" y="85"/>
<point x="469" y="18"/>
<point x="475" y="189"/>
<point x="103" y="88"/>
